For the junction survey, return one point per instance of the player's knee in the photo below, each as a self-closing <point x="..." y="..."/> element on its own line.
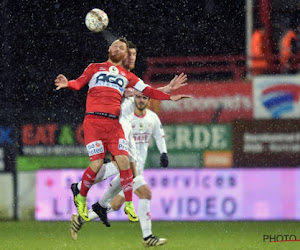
<point x="116" y="207"/>
<point x="148" y="195"/>
<point x="144" y="193"/>
<point x="122" y="161"/>
<point x="96" y="165"/>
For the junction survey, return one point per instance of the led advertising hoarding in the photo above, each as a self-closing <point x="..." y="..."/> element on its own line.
<point x="186" y="194"/>
<point x="265" y="143"/>
<point x="231" y="101"/>
<point x="189" y="145"/>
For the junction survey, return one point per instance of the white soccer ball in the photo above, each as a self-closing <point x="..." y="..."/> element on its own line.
<point x="96" y="20"/>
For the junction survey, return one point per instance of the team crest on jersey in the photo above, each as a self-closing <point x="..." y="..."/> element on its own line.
<point x="141" y="126"/>
<point x="113" y="70"/>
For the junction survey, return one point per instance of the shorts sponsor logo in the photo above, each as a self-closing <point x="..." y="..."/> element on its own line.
<point x="95" y="147"/>
<point x="123" y="145"/>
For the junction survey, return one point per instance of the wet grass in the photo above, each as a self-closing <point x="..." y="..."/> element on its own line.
<point x="125" y="235"/>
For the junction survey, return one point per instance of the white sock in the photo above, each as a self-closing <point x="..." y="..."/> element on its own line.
<point x="79" y="185"/>
<point x="145" y="217"/>
<point x="113" y="189"/>
<point x="109" y="208"/>
<point x="92" y="215"/>
<point x="107" y="170"/>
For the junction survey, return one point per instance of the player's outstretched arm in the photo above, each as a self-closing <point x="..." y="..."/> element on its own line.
<point x="61" y="82"/>
<point x="177" y="82"/>
<point x="176" y="98"/>
<point x="131" y="92"/>
<point x="159" y="95"/>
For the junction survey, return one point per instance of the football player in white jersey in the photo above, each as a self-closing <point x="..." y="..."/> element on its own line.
<point x="145" y="124"/>
<point x="127" y="114"/>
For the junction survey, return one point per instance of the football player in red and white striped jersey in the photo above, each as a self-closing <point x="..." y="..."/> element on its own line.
<point x="102" y="130"/>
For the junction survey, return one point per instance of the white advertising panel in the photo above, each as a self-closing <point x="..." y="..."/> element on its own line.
<point x="276" y="97"/>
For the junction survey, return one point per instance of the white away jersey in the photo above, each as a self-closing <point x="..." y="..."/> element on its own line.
<point x="127" y="109"/>
<point x="126" y="116"/>
<point x="143" y="128"/>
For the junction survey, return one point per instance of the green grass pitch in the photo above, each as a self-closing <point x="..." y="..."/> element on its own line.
<point x="126" y="235"/>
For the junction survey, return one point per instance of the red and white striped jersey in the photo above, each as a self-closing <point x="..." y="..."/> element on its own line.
<point x="106" y="83"/>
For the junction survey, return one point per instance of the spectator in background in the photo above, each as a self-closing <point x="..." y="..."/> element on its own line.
<point x="296" y="51"/>
<point x="288" y="50"/>
<point x="259" y="60"/>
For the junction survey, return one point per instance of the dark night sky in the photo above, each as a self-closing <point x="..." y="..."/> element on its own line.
<point x="41" y="39"/>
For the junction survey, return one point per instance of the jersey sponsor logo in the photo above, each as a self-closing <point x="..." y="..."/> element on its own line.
<point x="142" y="138"/>
<point x="123" y="145"/>
<point x="107" y="78"/>
<point x="95" y="147"/>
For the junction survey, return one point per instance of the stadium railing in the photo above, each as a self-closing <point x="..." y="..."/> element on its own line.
<point x="207" y="68"/>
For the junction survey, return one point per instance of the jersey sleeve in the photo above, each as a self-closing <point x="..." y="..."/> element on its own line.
<point x="135" y="82"/>
<point x="159" y="136"/>
<point x="138" y="84"/>
<point x="83" y="79"/>
<point x="156" y="94"/>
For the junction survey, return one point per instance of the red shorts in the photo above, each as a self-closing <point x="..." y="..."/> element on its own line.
<point x="102" y="134"/>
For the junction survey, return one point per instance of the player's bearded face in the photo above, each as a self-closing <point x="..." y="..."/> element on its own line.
<point x="117" y="51"/>
<point x="141" y="102"/>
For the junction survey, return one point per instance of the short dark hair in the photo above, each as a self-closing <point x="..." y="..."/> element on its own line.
<point x="131" y="45"/>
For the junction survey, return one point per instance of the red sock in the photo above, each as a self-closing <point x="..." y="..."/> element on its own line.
<point x="88" y="178"/>
<point x="126" y="180"/>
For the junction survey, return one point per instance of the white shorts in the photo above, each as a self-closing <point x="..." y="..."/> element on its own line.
<point x="138" y="181"/>
<point x="129" y="137"/>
